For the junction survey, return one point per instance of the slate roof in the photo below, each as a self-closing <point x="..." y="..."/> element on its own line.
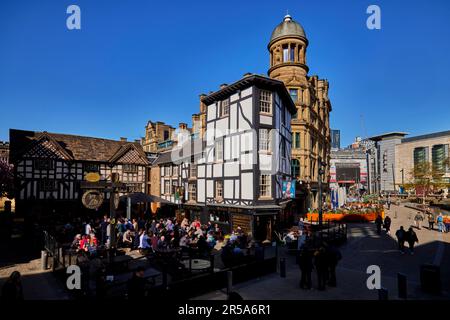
<point x="79" y="148"/>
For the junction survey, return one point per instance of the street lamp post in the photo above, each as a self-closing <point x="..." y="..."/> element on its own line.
<point x="321" y="173"/>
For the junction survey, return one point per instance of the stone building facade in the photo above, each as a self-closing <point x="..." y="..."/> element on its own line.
<point x="433" y="148"/>
<point x="311" y="138"/>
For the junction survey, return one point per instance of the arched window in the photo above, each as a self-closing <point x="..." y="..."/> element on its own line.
<point x="295" y="168"/>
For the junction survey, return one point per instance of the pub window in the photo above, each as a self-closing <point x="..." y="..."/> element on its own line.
<point x="134" y="187"/>
<point x="265" y="185"/>
<point x="168" y="171"/>
<point x="218" y="148"/>
<point x="174" y="186"/>
<point x="265" y="101"/>
<point x="219" y="216"/>
<point x="192" y="192"/>
<point x="43" y="164"/>
<point x="91" y="167"/>
<point x="130" y="168"/>
<point x="166" y="186"/>
<point x="224" y="109"/>
<point x="175" y="170"/>
<point x="219" y="189"/>
<point x="193" y="171"/>
<point x="264" y="140"/>
<point x="47" y="185"/>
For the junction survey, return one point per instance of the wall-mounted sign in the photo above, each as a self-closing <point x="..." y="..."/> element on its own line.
<point x="92" y="199"/>
<point x="92" y="177"/>
<point x="288" y="189"/>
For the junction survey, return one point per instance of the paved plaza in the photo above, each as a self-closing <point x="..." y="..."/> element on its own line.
<point x="363" y="248"/>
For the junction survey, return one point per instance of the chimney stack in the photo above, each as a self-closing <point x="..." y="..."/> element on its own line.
<point x="123" y="139"/>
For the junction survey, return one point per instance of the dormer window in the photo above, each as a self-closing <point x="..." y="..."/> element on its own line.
<point x="224" y="108"/>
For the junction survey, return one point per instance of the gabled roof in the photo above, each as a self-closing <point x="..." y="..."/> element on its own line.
<point x="73" y="147"/>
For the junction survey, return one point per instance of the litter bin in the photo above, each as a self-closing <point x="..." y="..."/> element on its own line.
<point x="430" y="278"/>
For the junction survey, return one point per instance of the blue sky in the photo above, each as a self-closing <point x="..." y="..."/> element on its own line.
<point x="140" y="60"/>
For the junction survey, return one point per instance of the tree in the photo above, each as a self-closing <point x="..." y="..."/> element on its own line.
<point x="6" y="179"/>
<point x="428" y="177"/>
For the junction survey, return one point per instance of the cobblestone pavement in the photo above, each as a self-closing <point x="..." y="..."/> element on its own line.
<point x="363" y="248"/>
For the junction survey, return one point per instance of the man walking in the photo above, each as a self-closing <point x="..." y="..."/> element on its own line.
<point x="400" y="234"/>
<point x="321" y="267"/>
<point x="411" y="238"/>
<point x="306" y="265"/>
<point x="379" y="223"/>
<point x="387" y="224"/>
<point x="333" y="256"/>
<point x="418" y="220"/>
<point x="430" y="221"/>
<point x="440" y="223"/>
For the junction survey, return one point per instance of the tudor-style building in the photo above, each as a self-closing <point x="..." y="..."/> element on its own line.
<point x="234" y="175"/>
<point x="49" y="169"/>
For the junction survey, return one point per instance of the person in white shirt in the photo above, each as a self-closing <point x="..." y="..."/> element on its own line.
<point x="87" y="229"/>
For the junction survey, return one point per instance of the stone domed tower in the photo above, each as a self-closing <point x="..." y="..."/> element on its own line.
<point x="310" y="126"/>
<point x="287" y="48"/>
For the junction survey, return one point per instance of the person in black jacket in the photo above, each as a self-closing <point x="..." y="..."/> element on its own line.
<point x="401" y="237"/>
<point x="137" y="285"/>
<point x="333" y="256"/>
<point x="305" y="262"/>
<point x="411" y="238"/>
<point x="320" y="261"/>
<point x="379" y="223"/>
<point x="387" y="224"/>
<point x="12" y="289"/>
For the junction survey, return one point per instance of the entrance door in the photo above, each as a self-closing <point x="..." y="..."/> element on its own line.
<point x="263" y="228"/>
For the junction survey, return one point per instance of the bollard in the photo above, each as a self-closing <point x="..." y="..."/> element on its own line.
<point x="402" y="285"/>
<point x="61" y="256"/>
<point x="44" y="260"/>
<point x="283" y="267"/>
<point x="383" y="294"/>
<point x="229" y="282"/>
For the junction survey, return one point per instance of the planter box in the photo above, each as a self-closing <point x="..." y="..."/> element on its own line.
<point x="345" y="217"/>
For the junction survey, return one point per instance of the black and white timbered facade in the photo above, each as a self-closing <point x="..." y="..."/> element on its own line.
<point x="50" y="167"/>
<point x="237" y="178"/>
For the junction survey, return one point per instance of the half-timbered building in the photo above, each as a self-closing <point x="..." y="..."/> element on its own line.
<point x="236" y="179"/>
<point x="49" y="169"/>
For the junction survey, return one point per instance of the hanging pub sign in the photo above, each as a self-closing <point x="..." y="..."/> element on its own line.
<point x="92" y="199"/>
<point x="92" y="177"/>
<point x="288" y="189"/>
